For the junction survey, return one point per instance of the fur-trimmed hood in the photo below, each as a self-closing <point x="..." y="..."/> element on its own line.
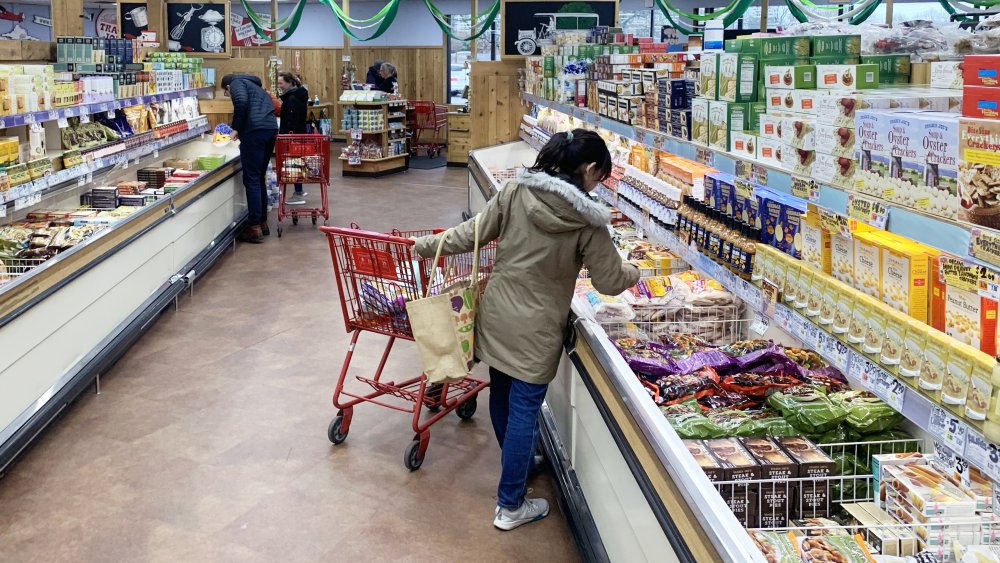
<point x="556" y="206"/>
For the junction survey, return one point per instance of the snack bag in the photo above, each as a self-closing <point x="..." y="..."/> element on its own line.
<point x="222" y="135"/>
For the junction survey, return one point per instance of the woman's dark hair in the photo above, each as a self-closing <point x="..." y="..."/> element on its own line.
<point x="290" y="78"/>
<point x="566" y="153"/>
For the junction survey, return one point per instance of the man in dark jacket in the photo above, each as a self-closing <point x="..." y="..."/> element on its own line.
<point x="373" y="77"/>
<point x="294" y="106"/>
<point x="256" y="127"/>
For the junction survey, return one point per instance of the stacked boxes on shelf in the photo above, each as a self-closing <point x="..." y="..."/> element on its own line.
<point x="979" y="141"/>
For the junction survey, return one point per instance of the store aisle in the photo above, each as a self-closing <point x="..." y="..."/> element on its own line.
<point x="208" y="440"/>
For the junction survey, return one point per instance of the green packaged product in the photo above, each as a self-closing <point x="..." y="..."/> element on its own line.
<point x="734" y="423"/>
<point x="737" y="77"/>
<point x="835" y="60"/>
<point x="749" y="45"/>
<point x="784" y="46"/>
<point x="836" y="45"/>
<point x="807" y="409"/>
<point x="777" y="547"/>
<point x="690" y="423"/>
<point x="769" y="423"/>
<point x="866" y="413"/>
<point x="889" y="65"/>
<point x="842" y="434"/>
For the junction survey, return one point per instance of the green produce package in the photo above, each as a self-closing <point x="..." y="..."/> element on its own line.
<point x="866" y="413"/>
<point x="690" y="423"/>
<point x="807" y="409"/>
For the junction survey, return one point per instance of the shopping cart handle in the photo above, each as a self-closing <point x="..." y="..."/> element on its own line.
<point x="358" y="233"/>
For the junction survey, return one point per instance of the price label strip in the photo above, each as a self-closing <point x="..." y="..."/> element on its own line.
<point x="983" y="454"/>
<point x="948" y="429"/>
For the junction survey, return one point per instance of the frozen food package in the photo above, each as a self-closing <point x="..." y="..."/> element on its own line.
<point x="777" y="547"/>
<point x="841" y="548"/>
<point x="866" y="413"/>
<point x="807" y="408"/>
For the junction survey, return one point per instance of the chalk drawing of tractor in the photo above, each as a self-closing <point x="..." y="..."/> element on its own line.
<point x="528" y="40"/>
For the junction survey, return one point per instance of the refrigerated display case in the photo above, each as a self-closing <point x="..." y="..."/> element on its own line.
<point x="490" y="167"/>
<point x="631" y="490"/>
<point x="68" y="319"/>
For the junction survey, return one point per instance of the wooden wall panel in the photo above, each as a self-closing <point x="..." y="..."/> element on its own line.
<point x="67" y="18"/>
<point x="421" y="70"/>
<point x="495" y="102"/>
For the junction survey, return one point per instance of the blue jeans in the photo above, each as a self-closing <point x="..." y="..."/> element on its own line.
<point x="256" y="148"/>
<point x="514" y="410"/>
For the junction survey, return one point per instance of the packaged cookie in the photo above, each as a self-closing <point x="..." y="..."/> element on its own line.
<point x="828" y="304"/>
<point x="958" y="373"/>
<point x="892" y="345"/>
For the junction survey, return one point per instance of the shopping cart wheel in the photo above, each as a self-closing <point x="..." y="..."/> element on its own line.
<point x="413" y="458"/>
<point x="295" y="220"/>
<point x="466" y="409"/>
<point x="335" y="433"/>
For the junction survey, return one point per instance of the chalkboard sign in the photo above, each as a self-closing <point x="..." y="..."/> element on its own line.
<point x="527" y="24"/>
<point x="133" y="19"/>
<point x="201" y="29"/>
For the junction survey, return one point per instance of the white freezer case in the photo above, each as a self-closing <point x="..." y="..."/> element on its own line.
<point x="633" y="491"/>
<point x="482" y="185"/>
<point x="68" y="319"/>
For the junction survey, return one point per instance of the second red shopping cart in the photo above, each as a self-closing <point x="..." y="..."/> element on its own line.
<point x="302" y="159"/>
<point x="376" y="275"/>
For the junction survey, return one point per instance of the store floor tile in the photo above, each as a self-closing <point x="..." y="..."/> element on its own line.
<point x="208" y="439"/>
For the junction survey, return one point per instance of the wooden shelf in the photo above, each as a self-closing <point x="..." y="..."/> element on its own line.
<point x="383" y="159"/>
<point x="365" y="131"/>
<point x="382" y="103"/>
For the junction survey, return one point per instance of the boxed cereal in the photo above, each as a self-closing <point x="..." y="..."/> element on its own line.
<point x="842" y="258"/>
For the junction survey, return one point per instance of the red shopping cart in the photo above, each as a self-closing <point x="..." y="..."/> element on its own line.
<point x="302" y="159"/>
<point x="376" y="275"/>
<point x="428" y="117"/>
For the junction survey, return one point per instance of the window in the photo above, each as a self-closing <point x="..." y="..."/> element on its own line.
<point x="778" y="17"/>
<point x="901" y="12"/>
<point x="460" y="55"/>
<point x="638" y="23"/>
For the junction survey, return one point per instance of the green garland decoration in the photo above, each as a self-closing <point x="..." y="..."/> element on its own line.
<point x="735" y="11"/>
<point x="482" y="22"/>
<point x="856" y="19"/>
<point x="291" y="23"/>
<point x="727" y="10"/>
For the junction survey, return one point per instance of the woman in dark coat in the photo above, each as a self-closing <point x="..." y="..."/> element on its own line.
<point x="294" y="104"/>
<point x="373" y="77"/>
<point x="388" y="74"/>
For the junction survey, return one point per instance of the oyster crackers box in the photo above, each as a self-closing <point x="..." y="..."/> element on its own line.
<point x="872" y="151"/>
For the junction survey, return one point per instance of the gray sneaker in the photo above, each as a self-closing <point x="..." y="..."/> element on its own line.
<point x="295" y="200"/>
<point x="531" y="509"/>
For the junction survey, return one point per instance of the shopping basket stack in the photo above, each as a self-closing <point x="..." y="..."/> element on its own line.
<point x="376" y="275"/>
<point x="302" y="159"/>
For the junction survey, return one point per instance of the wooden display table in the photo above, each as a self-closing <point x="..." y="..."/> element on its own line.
<point x="391" y="136"/>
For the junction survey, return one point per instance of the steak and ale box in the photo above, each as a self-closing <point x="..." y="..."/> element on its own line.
<point x="813" y="499"/>
<point x="738" y="465"/>
<point x="775" y="465"/>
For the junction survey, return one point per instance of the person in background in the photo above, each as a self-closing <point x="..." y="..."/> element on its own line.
<point x="374" y="78"/>
<point x="294" y="107"/>
<point x="256" y="127"/>
<point x="388" y="74"/>
<point x="547" y="226"/>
